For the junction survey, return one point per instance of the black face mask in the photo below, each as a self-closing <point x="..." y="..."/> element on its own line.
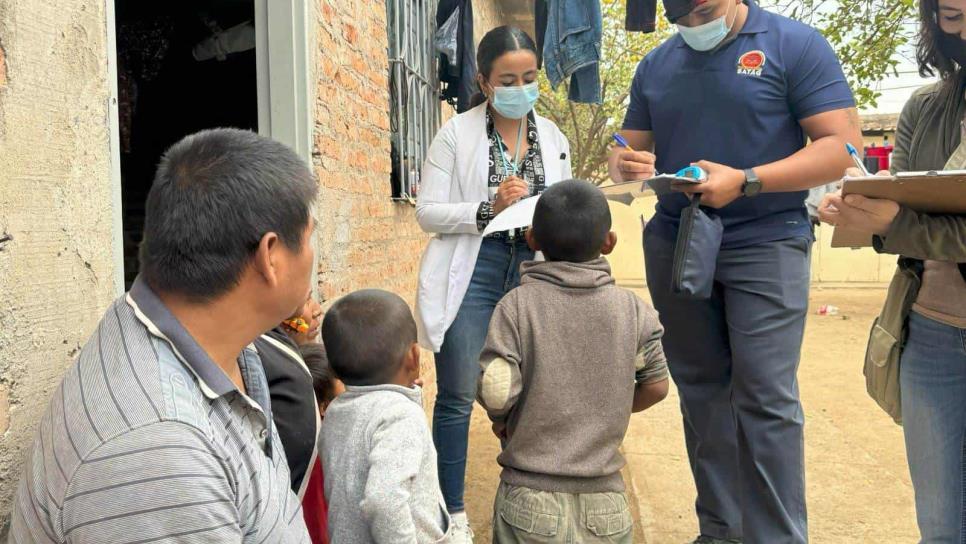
<point x="953" y="48"/>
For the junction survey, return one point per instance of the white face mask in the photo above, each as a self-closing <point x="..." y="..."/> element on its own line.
<point x="709" y="35"/>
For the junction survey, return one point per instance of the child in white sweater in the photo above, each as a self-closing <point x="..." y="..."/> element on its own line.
<point x="377" y="450"/>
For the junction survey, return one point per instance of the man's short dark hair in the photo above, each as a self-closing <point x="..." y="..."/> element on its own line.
<point x="215" y="195"/>
<point x="323" y="378"/>
<point x="571" y="221"/>
<point x="366" y="336"/>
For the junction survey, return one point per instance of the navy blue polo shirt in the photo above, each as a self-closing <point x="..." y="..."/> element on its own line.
<point x="739" y="106"/>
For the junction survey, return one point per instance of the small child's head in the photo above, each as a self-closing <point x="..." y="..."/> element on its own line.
<point x="370" y="339"/>
<point x="327" y="386"/>
<point x="572" y="223"/>
<point x="303" y="326"/>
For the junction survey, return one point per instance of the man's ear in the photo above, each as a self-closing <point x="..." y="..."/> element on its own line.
<point x="266" y="257"/>
<point x="532" y="240"/>
<point x="610" y="242"/>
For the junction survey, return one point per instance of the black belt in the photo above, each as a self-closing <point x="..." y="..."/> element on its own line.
<point x="509" y="236"/>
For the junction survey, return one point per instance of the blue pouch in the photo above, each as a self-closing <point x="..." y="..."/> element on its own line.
<point x="696" y="252"/>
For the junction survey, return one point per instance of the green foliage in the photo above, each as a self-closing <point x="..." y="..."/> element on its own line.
<point x="866" y="34"/>
<point x="589" y="127"/>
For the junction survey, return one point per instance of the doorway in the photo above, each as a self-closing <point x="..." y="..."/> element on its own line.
<point x="182" y="66"/>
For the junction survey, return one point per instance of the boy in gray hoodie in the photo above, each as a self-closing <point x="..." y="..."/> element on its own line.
<point x="568" y="357"/>
<point x="377" y="451"/>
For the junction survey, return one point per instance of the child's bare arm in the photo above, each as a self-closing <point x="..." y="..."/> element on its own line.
<point x="649" y="394"/>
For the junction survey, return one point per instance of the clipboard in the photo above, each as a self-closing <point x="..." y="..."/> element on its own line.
<point x="927" y="192"/>
<point x="626" y="192"/>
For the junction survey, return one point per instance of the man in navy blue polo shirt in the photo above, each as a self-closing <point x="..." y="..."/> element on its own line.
<point x="737" y="91"/>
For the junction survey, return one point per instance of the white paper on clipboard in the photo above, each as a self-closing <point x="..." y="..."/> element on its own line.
<point x="626" y="192"/>
<point x="517" y="216"/>
<point x="661" y="185"/>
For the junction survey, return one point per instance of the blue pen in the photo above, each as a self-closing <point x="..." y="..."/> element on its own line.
<point x="855" y="158"/>
<point x="621" y="141"/>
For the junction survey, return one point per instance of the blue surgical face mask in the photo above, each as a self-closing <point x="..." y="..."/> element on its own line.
<point x="707" y="36"/>
<point x="515" y="102"/>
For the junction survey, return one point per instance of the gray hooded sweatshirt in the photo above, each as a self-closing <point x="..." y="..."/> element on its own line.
<point x="563" y="355"/>
<point x="380" y="468"/>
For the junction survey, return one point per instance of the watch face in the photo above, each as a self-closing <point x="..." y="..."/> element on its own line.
<point x="752" y="188"/>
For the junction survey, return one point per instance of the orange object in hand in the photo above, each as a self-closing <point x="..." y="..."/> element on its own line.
<point x="297" y="324"/>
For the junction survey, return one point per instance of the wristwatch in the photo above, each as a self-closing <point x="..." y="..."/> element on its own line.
<point x="752" y="186"/>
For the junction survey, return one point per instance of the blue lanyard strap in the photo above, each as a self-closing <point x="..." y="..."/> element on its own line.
<point x="516" y="154"/>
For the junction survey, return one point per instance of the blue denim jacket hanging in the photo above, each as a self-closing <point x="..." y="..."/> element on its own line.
<point x="572" y="47"/>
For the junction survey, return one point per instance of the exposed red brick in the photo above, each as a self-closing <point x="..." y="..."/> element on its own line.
<point x="3" y="67"/>
<point x="327" y="12"/>
<point x="350" y="33"/>
<point x="352" y="140"/>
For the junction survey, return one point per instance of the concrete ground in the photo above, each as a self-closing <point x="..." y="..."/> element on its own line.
<point x="857" y="480"/>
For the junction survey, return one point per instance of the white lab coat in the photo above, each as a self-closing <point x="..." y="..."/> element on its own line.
<point x="453" y="183"/>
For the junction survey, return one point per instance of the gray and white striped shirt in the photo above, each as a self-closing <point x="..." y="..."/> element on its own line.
<point x="147" y="440"/>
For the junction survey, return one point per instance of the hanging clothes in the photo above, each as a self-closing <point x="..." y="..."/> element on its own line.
<point x="222" y="43"/>
<point x="540" y="9"/>
<point x="572" y="47"/>
<point x="447" y="43"/>
<point x="457" y="70"/>
<point x="641" y="16"/>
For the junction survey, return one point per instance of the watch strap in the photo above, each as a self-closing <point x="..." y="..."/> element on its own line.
<point x="752" y="185"/>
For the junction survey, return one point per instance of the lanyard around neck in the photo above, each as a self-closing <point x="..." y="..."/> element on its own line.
<point x="516" y="153"/>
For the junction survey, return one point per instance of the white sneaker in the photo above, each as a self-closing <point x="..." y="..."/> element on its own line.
<point x="461" y="533"/>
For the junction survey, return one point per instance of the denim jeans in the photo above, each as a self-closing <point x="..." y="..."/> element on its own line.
<point x="572" y="47"/>
<point x="932" y="377"/>
<point x="497" y="271"/>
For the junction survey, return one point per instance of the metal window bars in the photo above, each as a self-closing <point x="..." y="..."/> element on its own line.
<point x="414" y="108"/>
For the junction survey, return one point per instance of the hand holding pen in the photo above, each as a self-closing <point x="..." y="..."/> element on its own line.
<point x="510" y="191"/>
<point x="629" y="165"/>
<point x="855" y="158"/>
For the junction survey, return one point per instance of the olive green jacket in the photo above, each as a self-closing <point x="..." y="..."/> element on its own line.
<point x="927" y="138"/>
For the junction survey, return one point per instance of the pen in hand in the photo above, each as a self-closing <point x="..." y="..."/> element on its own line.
<point x="622" y="142"/>
<point x="855" y="158"/>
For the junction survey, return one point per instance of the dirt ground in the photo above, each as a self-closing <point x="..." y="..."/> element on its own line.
<point x="857" y="480"/>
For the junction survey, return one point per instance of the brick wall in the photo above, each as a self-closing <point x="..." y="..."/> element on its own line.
<point x="487" y="14"/>
<point x="365" y="239"/>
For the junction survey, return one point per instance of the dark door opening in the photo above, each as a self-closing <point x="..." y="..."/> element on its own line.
<point x="183" y="66"/>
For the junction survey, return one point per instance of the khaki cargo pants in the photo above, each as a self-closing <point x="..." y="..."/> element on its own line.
<point x="523" y="515"/>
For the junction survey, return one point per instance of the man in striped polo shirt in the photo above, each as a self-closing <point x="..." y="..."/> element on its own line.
<point x="162" y="429"/>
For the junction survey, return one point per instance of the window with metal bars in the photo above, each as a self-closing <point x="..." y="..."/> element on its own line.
<point x="414" y="108"/>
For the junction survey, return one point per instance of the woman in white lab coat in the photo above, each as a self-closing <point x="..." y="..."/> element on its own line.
<point x="480" y="162"/>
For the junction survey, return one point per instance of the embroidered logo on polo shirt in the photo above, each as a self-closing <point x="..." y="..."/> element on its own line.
<point x="751" y="63"/>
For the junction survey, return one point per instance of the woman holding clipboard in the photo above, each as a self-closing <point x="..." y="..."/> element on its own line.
<point x="480" y="163"/>
<point x="918" y="344"/>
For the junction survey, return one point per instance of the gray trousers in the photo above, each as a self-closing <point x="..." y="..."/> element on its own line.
<point x="734" y="359"/>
